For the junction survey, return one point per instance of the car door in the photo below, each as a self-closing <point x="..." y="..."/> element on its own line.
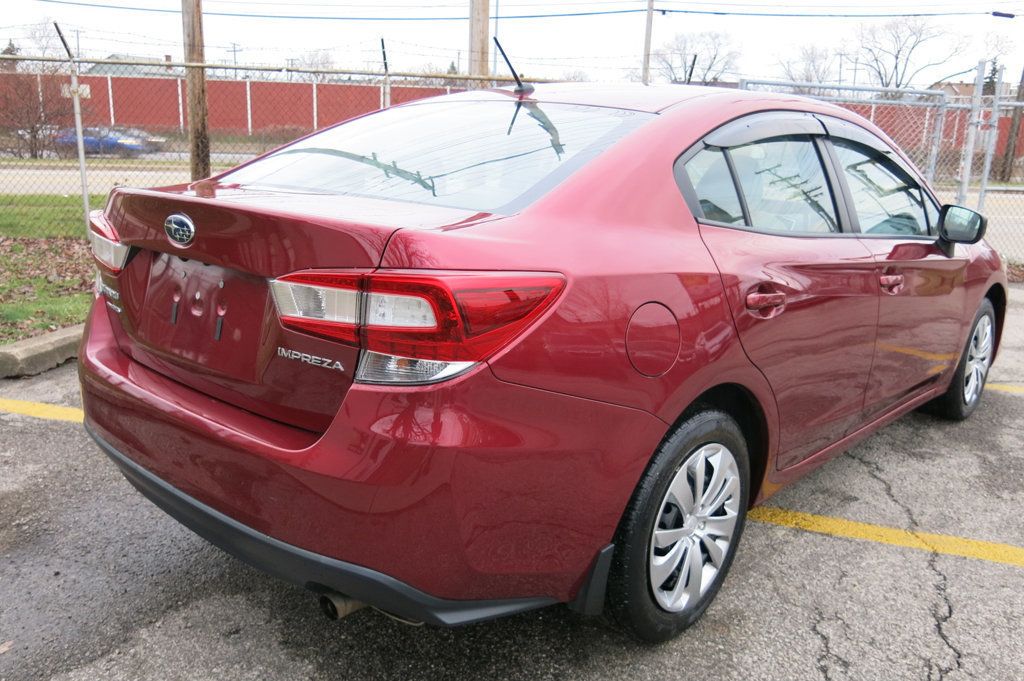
<point x="920" y="319"/>
<point x="803" y="292"/>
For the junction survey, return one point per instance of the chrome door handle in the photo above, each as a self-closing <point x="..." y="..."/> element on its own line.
<point x="892" y="283"/>
<point x="759" y="301"/>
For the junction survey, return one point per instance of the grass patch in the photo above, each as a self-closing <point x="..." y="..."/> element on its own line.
<point x="44" y="215"/>
<point x="45" y="284"/>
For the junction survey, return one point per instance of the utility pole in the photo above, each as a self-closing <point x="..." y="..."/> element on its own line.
<point x="195" y="79"/>
<point x="479" y="45"/>
<point x="494" y="54"/>
<point x="646" y="74"/>
<point x="235" y="49"/>
<point x="1006" y="171"/>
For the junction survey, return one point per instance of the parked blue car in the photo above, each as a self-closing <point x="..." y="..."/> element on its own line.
<point x="124" y="142"/>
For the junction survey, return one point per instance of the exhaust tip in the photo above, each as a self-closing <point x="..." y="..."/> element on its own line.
<point x="335" y="605"/>
<point x="328" y="608"/>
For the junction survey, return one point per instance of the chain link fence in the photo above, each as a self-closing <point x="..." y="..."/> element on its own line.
<point x="134" y="119"/>
<point x="964" y="146"/>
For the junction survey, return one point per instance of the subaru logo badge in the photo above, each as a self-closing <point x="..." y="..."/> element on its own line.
<point x="179" y="229"/>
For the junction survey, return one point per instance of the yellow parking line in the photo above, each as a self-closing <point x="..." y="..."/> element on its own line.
<point x="1006" y="388"/>
<point x="924" y="541"/>
<point x="836" y="527"/>
<point x="40" y="410"/>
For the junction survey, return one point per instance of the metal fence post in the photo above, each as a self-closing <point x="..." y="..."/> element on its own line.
<point x="967" y="158"/>
<point x="79" y="138"/>
<point x="248" y="104"/>
<point x="110" y="99"/>
<point x="993" y="136"/>
<point x="181" y="110"/>
<point x="316" y="113"/>
<point x="936" y="148"/>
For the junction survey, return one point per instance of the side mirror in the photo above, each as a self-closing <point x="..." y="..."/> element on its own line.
<point x="959" y="225"/>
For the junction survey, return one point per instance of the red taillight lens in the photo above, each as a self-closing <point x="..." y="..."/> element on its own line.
<point x="475" y="314"/>
<point x="437" y="316"/>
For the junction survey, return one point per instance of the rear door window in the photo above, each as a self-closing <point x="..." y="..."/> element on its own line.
<point x="784" y="185"/>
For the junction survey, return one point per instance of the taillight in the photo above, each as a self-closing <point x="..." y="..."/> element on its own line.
<point x="106" y="247"/>
<point x="415" y="327"/>
<point x="325" y="304"/>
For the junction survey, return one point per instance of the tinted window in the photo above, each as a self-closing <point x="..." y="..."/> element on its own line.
<point x="709" y="175"/>
<point x="885" y="199"/>
<point x="487" y="156"/>
<point x="784" y="185"/>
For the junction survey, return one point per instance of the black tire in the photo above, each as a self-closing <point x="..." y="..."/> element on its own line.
<point x="952" y="404"/>
<point x="631" y="603"/>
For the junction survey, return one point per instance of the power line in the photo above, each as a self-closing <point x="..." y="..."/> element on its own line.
<point x="247" y="15"/>
<point x="663" y="11"/>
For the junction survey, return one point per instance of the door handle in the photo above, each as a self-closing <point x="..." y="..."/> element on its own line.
<point x="759" y="302"/>
<point x="892" y="283"/>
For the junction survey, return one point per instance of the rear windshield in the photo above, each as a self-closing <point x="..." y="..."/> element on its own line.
<point x="487" y="156"/>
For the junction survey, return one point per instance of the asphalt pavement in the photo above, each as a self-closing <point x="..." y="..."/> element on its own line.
<point x="96" y="583"/>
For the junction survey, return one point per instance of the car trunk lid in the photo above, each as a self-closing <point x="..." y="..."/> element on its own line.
<point x="202" y="314"/>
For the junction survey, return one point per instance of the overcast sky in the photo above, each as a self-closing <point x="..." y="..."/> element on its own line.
<point x="604" y="47"/>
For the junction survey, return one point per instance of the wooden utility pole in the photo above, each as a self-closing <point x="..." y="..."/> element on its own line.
<point x="1006" y="171"/>
<point x="479" y="45"/>
<point x="646" y="74"/>
<point x="195" y="80"/>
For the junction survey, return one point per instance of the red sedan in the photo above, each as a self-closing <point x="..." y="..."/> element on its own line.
<point x="493" y="351"/>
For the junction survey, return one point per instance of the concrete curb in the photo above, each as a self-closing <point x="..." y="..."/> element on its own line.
<point x="35" y="355"/>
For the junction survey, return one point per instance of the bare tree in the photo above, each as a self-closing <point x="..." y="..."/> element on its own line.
<point x="812" y="64"/>
<point x="898" y="51"/>
<point x="316" y="60"/>
<point x="576" y="76"/>
<point x="32" y="110"/>
<point x="714" y="56"/>
<point x="999" y="45"/>
<point x="32" y="105"/>
<point x="43" y="40"/>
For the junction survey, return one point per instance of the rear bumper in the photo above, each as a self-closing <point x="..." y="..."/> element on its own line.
<point x="305" y="568"/>
<point x="472" y="491"/>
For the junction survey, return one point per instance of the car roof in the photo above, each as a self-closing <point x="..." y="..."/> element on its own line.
<point x="633" y="96"/>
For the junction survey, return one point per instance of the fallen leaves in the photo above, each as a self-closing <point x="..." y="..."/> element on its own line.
<point x="36" y="276"/>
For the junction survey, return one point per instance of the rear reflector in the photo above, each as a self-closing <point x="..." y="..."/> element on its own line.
<point x="415" y="327"/>
<point x="375" y="367"/>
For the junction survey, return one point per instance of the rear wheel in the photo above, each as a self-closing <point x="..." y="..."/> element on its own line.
<point x="964" y="392"/>
<point x="679" y="534"/>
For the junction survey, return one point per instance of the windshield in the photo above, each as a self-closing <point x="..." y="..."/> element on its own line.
<point x="491" y="156"/>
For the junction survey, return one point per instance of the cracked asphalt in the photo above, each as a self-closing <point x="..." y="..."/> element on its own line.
<point x="96" y="583"/>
